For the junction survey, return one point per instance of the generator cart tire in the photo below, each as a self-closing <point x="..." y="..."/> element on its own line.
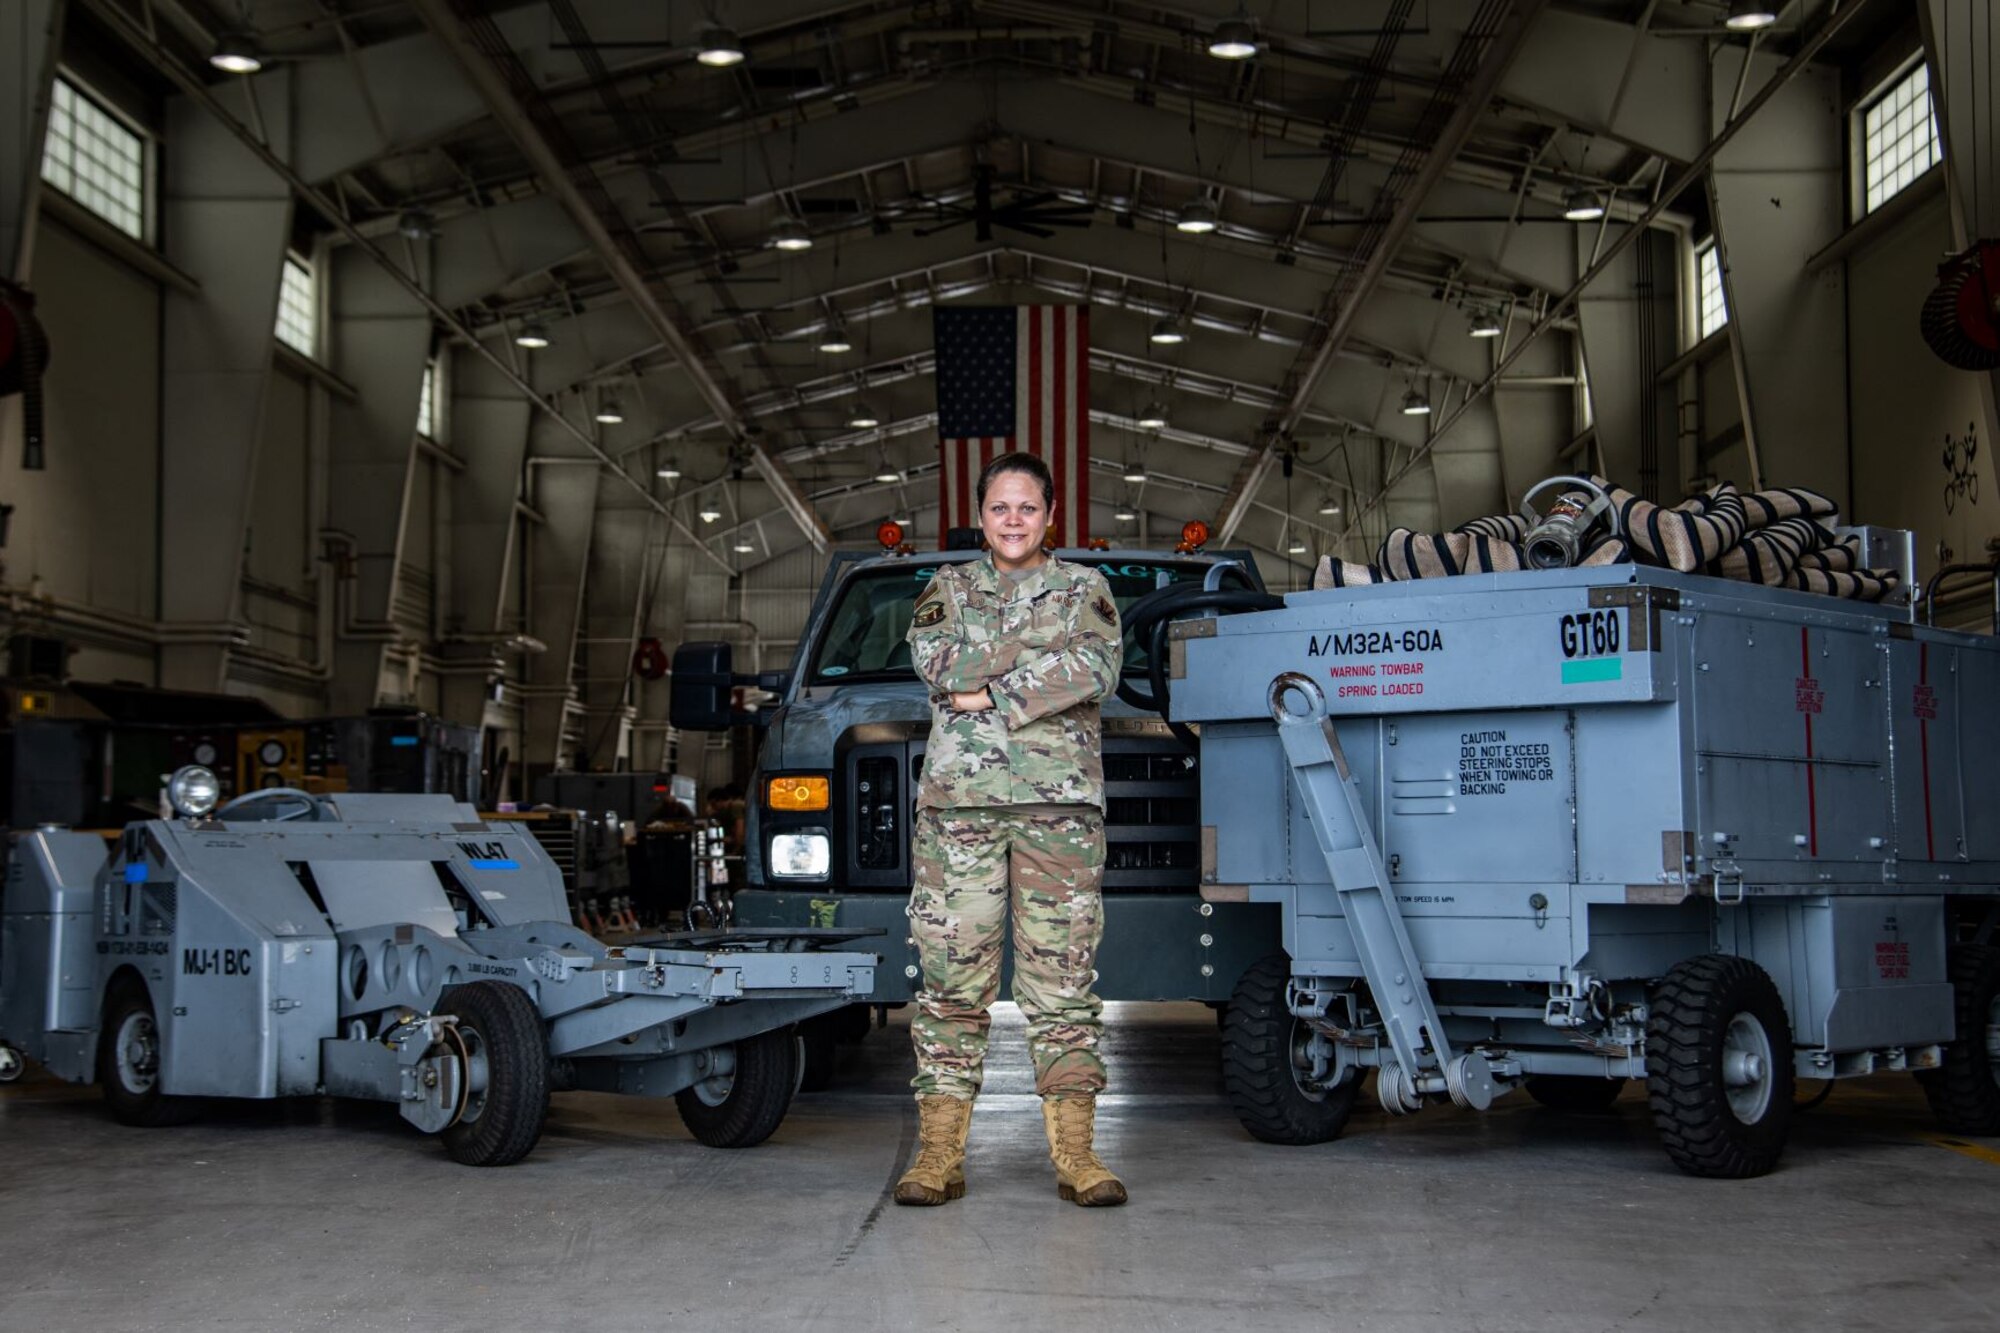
<point x="128" y="1064"/>
<point x="504" y="1048"/>
<point x="1259" y="1071"/>
<point x="1964" y="1091"/>
<point x="1719" y="1076"/>
<point x="742" y="1109"/>
<point x="1574" y="1092"/>
<point x="12" y="1063"/>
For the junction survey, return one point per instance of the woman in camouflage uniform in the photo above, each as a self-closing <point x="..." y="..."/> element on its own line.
<point x="1018" y="649"/>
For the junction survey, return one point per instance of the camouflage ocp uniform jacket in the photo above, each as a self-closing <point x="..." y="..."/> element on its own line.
<point x="1047" y="650"/>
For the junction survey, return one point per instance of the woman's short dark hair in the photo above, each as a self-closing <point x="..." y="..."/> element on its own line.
<point x="1025" y="463"/>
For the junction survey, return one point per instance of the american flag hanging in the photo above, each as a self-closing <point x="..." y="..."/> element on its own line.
<point x="1014" y="377"/>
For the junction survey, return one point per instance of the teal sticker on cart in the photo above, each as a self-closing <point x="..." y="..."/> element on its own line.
<point x="1592" y="670"/>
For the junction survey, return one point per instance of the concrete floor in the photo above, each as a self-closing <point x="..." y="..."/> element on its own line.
<point x="314" y="1215"/>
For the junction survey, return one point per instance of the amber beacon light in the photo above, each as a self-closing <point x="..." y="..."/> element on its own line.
<point x="799" y="793"/>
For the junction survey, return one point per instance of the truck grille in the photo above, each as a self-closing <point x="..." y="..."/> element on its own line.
<point x="1152" y="814"/>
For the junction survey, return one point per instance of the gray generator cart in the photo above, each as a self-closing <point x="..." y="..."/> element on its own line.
<point x="1558" y="829"/>
<point x="391" y="948"/>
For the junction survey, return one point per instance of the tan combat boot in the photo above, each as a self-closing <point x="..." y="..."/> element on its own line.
<point x="1080" y="1176"/>
<point x="938" y="1173"/>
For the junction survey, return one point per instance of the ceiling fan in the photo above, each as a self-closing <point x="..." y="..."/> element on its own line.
<point x="1033" y="214"/>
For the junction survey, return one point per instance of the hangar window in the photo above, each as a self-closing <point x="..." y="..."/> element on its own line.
<point x="1714" y="306"/>
<point x="298" y="308"/>
<point x="96" y="159"/>
<point x="427" y="403"/>
<point x="1899" y="137"/>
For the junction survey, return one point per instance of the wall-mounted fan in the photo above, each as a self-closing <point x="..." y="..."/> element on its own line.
<point x="1961" y="316"/>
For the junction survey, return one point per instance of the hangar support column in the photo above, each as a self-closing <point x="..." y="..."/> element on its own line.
<point x="381" y="340"/>
<point x="1962" y="44"/>
<point x="1779" y="195"/>
<point x="623" y="562"/>
<point x="565" y="491"/>
<point x="30" y="38"/>
<point x="226" y="218"/>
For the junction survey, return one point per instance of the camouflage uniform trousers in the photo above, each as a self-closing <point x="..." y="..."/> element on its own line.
<point x="972" y="865"/>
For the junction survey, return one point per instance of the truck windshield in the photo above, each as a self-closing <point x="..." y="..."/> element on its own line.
<point x="864" y="637"/>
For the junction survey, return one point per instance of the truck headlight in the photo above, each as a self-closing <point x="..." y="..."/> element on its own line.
<point x="806" y="854"/>
<point x="193" y="791"/>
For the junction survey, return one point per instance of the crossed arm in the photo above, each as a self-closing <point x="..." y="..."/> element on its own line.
<point x="1019" y="686"/>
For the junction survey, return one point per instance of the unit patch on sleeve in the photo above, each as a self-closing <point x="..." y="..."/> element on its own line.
<point x="1105" y="610"/>
<point x="929" y="613"/>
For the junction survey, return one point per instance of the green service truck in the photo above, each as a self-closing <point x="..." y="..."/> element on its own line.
<point x="831" y="801"/>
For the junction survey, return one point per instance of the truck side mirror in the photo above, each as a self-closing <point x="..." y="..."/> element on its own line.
<point x="774" y="681"/>
<point x="699" y="696"/>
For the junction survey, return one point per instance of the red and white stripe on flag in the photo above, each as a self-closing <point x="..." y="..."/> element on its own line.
<point x="1051" y="421"/>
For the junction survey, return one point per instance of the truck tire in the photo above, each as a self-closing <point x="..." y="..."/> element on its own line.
<point x="1719" y="1077"/>
<point x="1578" y="1093"/>
<point x="128" y="1063"/>
<point x="1964" y="1091"/>
<point x="504" y="1048"/>
<point x="1258" y="1072"/>
<point x="746" y="1107"/>
<point x="817" y="1039"/>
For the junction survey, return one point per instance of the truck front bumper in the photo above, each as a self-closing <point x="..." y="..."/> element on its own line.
<point x="1157" y="946"/>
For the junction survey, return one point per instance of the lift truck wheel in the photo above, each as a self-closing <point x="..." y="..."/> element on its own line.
<point x="1719" y="1076"/>
<point x="743" y="1108"/>
<point x="504" y="1048"/>
<point x="1964" y="1091"/>
<point x="1576" y="1093"/>
<point x="1260" y="1038"/>
<point x="128" y="1063"/>
<point x="12" y="1063"/>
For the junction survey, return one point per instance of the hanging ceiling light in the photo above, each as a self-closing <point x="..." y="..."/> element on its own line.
<point x="1297" y="546"/>
<point x="416" y="224"/>
<point x="1329" y="505"/>
<point x="236" y="53"/>
<point x="887" y="475"/>
<point x="534" y="335"/>
<point x="1749" y="16"/>
<point x="1126" y="514"/>
<point x="1416" y="404"/>
<point x="1234" y="38"/>
<point x="834" y="339"/>
<point x="1583" y="206"/>
<point x="1197" y="217"/>
<point x="745" y="548"/>
<point x="1485" y="324"/>
<point x="1167" y="332"/>
<point x="611" y="412"/>
<point x="863" y="417"/>
<point x="1135" y="471"/>
<point x="790" y="235"/>
<point x="709" y="513"/>
<point x="670" y="470"/>
<point x="1153" y="415"/>
<point x="718" y="47"/>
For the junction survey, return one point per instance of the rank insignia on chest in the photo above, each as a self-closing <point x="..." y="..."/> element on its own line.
<point x="929" y="614"/>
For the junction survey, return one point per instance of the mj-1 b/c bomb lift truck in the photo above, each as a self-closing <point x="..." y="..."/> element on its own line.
<point x="391" y="948"/>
